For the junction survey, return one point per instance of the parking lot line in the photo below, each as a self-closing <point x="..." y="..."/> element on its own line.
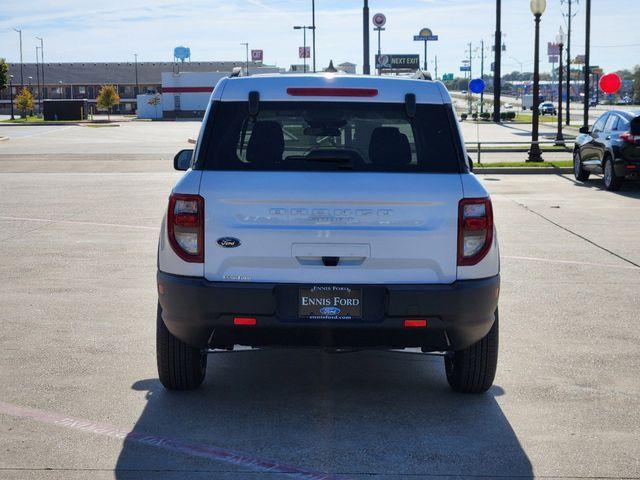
<point x="76" y="222"/>
<point x="571" y="262"/>
<point x="193" y="449"/>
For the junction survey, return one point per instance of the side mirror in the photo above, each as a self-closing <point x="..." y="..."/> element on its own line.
<point x="182" y="160"/>
<point x="584" y="130"/>
<point x="470" y="163"/>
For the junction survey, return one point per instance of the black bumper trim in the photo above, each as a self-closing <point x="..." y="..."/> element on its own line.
<point x="201" y="314"/>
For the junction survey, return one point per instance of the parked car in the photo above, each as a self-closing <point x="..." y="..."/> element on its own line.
<point x="611" y="147"/>
<point x="593" y="102"/>
<point x="508" y="106"/>
<point x="332" y="212"/>
<point x="548" y="108"/>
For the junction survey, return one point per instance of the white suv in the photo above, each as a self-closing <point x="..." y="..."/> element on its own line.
<point x="328" y="211"/>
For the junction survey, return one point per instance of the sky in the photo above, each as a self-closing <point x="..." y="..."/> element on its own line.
<point x="77" y="30"/>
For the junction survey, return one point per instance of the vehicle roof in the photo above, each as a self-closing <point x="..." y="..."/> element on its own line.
<point x="273" y="87"/>
<point x="627" y="113"/>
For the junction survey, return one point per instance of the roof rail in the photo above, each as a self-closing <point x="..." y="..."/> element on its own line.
<point x="422" y="75"/>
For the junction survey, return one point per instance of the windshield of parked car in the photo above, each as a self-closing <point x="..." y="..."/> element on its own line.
<point x="333" y="136"/>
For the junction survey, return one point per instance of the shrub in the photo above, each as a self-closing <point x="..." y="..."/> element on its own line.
<point x="485" y="115"/>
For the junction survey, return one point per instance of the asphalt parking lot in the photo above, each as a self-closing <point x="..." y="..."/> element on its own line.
<point x="80" y="398"/>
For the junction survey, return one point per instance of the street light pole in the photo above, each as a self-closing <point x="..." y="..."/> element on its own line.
<point x="38" y="81"/>
<point x="366" y="67"/>
<point x="559" y="136"/>
<point x="135" y="55"/>
<point x="42" y="62"/>
<point x="11" y="95"/>
<point x="535" y="155"/>
<point x="313" y="32"/>
<point x="482" y="74"/>
<point x="21" y="64"/>
<point x="304" y="29"/>
<point x="569" y="18"/>
<point x="496" y="65"/>
<point x="246" y="45"/>
<point x="587" y="68"/>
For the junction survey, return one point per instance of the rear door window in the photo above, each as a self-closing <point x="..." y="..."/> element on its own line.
<point x="331" y="136"/>
<point x="612" y="123"/>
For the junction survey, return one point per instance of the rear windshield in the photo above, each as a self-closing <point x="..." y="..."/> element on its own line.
<point x="333" y="136"/>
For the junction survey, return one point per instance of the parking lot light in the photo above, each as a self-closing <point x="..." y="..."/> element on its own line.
<point x="535" y="155"/>
<point x="560" y="42"/>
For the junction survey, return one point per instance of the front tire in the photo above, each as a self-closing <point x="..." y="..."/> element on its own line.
<point x="611" y="181"/>
<point x="472" y="370"/>
<point x="180" y="366"/>
<point x="578" y="170"/>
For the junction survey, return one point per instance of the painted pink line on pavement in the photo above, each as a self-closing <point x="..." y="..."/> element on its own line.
<point x="193" y="449"/>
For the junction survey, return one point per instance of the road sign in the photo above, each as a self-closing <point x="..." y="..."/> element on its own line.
<point x="447" y="76"/>
<point x="379" y="20"/>
<point x="304" y="52"/>
<point x="425" y="38"/>
<point x="256" y="55"/>
<point x="465" y="68"/>
<point x="553" y="49"/>
<point x="397" y="61"/>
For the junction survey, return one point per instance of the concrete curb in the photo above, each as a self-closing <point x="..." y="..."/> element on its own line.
<point x="523" y="170"/>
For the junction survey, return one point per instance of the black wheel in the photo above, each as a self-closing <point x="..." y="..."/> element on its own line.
<point x="180" y="366"/>
<point x="611" y="181"/>
<point x="473" y="369"/>
<point x="578" y="170"/>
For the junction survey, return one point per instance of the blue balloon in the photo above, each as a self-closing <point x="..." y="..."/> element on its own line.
<point x="477" y="85"/>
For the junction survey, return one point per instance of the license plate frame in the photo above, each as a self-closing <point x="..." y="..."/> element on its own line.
<point x="330" y="302"/>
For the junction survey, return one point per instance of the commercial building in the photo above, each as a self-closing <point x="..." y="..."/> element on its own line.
<point x="80" y="80"/>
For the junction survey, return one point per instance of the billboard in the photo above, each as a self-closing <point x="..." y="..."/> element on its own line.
<point x="398" y="61"/>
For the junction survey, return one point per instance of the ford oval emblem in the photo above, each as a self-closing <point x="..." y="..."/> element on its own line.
<point x="228" y="242"/>
<point x="330" y="311"/>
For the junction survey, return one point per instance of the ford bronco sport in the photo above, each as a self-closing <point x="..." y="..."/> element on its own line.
<point x="329" y="211"/>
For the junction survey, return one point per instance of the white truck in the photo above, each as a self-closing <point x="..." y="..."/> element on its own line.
<point x="331" y="211"/>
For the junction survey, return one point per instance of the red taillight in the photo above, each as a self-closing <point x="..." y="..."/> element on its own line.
<point x="415" y="323"/>
<point x="630" y="138"/>
<point x="475" y="230"/>
<point x="246" y="321"/>
<point x="185" y="226"/>
<point x="331" y="92"/>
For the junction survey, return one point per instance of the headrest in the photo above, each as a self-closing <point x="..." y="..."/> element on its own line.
<point x="389" y="147"/>
<point x="266" y="144"/>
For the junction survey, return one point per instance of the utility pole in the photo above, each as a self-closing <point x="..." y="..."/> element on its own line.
<point x="21" y="65"/>
<point x="313" y="32"/>
<point x="436" y="67"/>
<point x="379" y="29"/>
<point x="497" y="87"/>
<point x="366" y="67"/>
<point x="587" y="68"/>
<point x="42" y="62"/>
<point x="569" y="16"/>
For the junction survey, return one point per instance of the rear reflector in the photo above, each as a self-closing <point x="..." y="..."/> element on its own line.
<point x="415" y="323"/>
<point x="244" y="321"/>
<point x="332" y="92"/>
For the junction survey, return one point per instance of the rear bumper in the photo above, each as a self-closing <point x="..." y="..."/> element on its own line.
<point x="201" y="314"/>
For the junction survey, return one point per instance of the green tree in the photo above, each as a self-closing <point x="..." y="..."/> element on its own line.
<point x="107" y="99"/>
<point x="24" y="101"/>
<point x="4" y="74"/>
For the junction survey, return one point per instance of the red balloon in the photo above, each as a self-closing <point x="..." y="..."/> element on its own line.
<point x="610" y="83"/>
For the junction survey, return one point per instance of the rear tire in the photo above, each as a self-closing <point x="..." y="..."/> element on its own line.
<point x="578" y="171"/>
<point x="180" y="366"/>
<point x="473" y="369"/>
<point x="611" y="181"/>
